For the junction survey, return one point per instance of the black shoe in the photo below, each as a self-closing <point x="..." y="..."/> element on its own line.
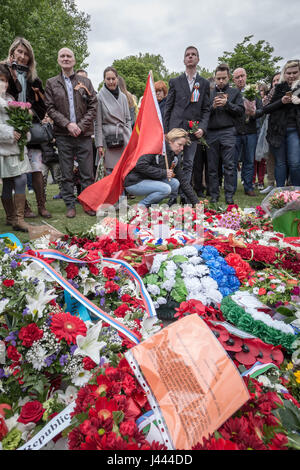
<point x="171" y="201"/>
<point x="214" y="200"/>
<point x="183" y="201"/>
<point x="200" y="194"/>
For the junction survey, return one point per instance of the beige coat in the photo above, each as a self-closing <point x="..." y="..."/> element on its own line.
<point x="10" y="164"/>
<point x="112" y="116"/>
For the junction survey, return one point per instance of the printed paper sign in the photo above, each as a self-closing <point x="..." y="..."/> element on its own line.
<point x="194" y="382"/>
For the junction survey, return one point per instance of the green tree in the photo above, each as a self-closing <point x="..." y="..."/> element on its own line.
<point x="48" y="25"/>
<point x="256" y="58"/>
<point x="135" y="71"/>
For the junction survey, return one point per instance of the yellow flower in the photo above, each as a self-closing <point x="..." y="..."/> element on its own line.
<point x="289" y="366"/>
<point x="297" y="375"/>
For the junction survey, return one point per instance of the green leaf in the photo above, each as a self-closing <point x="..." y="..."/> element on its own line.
<point x="118" y="417"/>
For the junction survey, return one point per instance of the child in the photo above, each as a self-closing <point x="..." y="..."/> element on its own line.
<point x="12" y="170"/>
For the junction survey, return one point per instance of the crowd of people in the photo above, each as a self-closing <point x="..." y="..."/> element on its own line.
<point x="213" y="134"/>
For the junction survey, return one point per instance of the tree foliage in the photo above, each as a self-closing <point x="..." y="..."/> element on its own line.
<point x="135" y="71"/>
<point x="48" y="25"/>
<point x="256" y="58"/>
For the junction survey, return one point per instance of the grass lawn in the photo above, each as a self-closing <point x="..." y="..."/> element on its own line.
<point x="83" y="221"/>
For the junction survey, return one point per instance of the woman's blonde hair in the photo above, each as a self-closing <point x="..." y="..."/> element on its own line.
<point x="32" y="75"/>
<point x="178" y="133"/>
<point x="289" y="64"/>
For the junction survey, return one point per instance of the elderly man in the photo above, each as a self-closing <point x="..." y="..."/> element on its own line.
<point x="188" y="101"/>
<point x="71" y="103"/>
<point x="247" y="134"/>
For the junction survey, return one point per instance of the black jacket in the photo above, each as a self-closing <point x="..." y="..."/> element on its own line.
<point x="179" y="109"/>
<point x="225" y="116"/>
<point x="153" y="167"/>
<point x="279" y="115"/>
<point x="243" y="126"/>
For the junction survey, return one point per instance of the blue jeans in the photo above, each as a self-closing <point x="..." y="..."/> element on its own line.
<point x="247" y="145"/>
<point x="287" y="159"/>
<point x="154" y="190"/>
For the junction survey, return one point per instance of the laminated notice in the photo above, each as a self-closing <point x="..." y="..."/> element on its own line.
<point x="193" y="382"/>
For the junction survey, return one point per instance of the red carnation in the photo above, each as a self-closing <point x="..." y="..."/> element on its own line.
<point x="30" y="333"/>
<point x="109" y="273"/>
<point x="3" y="428"/>
<point x="128" y="428"/>
<point x="8" y="282"/>
<point x="93" y="269"/>
<point x="111" y="287"/>
<point x="72" y="271"/>
<point x="31" y="412"/>
<point x="13" y="353"/>
<point x="88" y="363"/>
<point x="121" y="310"/>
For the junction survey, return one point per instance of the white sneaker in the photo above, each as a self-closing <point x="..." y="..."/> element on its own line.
<point x="266" y="190"/>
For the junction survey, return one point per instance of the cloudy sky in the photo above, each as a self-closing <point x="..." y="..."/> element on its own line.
<point x="127" y="27"/>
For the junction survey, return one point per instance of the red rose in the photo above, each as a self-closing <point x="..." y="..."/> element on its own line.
<point x="72" y="270"/>
<point x="191" y="124"/>
<point x="31" y="412"/>
<point x="13" y="353"/>
<point x="8" y="282"/>
<point x="109" y="273"/>
<point x="30" y="333"/>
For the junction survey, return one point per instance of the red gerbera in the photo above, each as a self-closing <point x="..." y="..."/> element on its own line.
<point x="66" y="326"/>
<point x="105" y="407"/>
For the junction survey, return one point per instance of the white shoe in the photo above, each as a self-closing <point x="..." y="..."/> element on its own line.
<point x="266" y="190"/>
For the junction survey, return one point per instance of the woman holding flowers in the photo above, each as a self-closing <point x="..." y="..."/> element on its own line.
<point x="25" y="86"/>
<point x="13" y="169"/>
<point x="284" y="125"/>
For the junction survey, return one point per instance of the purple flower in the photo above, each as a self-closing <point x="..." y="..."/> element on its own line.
<point x="73" y="349"/>
<point x="13" y="264"/>
<point x="25" y="311"/>
<point x="296" y="290"/>
<point x="63" y="359"/>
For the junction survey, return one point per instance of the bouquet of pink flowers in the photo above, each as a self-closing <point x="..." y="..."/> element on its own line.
<point x="282" y="198"/>
<point x="21" y="120"/>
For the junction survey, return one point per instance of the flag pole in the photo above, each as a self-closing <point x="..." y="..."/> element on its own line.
<point x="165" y="154"/>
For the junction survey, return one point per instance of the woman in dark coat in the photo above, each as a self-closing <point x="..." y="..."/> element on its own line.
<point x="283" y="132"/>
<point x="25" y="85"/>
<point x="157" y="179"/>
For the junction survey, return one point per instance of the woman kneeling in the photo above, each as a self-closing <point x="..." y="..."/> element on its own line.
<point x="157" y="179"/>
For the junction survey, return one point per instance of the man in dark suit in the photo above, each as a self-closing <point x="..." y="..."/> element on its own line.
<point x="188" y="100"/>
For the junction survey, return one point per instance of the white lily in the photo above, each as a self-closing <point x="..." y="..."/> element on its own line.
<point x="41" y="298"/>
<point x="3" y="304"/>
<point x="35" y="271"/>
<point x="89" y="345"/>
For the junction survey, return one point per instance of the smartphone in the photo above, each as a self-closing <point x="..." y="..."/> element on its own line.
<point x="220" y="93"/>
<point x="289" y="93"/>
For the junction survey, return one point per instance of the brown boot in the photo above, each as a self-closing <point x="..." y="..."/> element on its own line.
<point x="9" y="208"/>
<point x="38" y="186"/>
<point x="28" y="214"/>
<point x="19" y="222"/>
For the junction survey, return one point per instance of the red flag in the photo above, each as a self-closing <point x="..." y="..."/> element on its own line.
<point x="147" y="138"/>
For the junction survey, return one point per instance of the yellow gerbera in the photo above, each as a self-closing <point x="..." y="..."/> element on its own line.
<point x="297" y="375"/>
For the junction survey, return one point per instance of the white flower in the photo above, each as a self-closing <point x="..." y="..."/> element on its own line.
<point x="37" y="357"/>
<point x="158" y="259"/>
<point x="41" y="298"/>
<point x="89" y="345"/>
<point x="192" y="284"/>
<point x="161" y="300"/>
<point x="35" y="271"/>
<point x="82" y="377"/>
<point x="188" y="270"/>
<point x="68" y="396"/>
<point x="280" y="289"/>
<point x="153" y="289"/>
<point x="83" y="272"/>
<point x="255" y="290"/>
<point x="168" y="284"/>
<point x="3" y="304"/>
<point x="201" y="270"/>
<point x="2" y="352"/>
<point x="264" y="381"/>
<point x="89" y="285"/>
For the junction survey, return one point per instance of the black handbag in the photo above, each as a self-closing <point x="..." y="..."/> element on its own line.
<point x="41" y="133"/>
<point x="114" y="141"/>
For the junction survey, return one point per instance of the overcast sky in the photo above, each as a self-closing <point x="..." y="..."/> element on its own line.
<point x="120" y="28"/>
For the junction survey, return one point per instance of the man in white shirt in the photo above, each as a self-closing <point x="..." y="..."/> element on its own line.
<point x="71" y="103"/>
<point x="188" y="101"/>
